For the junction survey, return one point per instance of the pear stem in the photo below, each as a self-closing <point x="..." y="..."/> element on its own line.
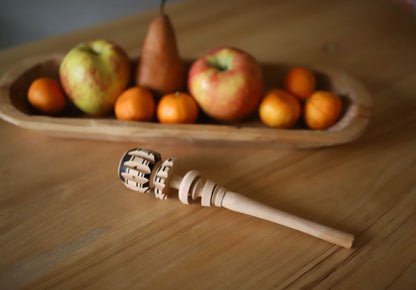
<point x="162" y="7"/>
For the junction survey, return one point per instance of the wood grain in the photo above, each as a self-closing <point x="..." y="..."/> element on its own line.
<point x="54" y="191"/>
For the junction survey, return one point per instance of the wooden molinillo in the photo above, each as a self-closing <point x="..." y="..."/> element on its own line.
<point x="143" y="170"/>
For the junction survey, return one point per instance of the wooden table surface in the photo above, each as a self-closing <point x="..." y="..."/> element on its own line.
<point x="66" y="221"/>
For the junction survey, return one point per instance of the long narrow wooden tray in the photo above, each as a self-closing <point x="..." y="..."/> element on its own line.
<point x="15" y="109"/>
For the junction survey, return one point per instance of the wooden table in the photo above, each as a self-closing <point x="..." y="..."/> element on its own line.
<point x="66" y="221"/>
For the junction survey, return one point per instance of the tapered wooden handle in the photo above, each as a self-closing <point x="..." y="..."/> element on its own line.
<point x="193" y="187"/>
<point x="239" y="203"/>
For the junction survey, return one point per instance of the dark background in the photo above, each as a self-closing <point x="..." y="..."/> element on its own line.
<point x="23" y="21"/>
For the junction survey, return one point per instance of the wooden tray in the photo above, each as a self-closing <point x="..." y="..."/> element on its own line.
<point x="15" y="109"/>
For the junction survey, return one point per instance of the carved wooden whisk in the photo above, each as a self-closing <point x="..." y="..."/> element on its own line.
<point x="144" y="171"/>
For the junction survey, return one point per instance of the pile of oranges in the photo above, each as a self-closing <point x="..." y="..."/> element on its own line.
<point x="279" y="108"/>
<point x="134" y="104"/>
<point x="282" y="108"/>
<point x="137" y="104"/>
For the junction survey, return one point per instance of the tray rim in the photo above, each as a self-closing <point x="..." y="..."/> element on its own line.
<point x="115" y="130"/>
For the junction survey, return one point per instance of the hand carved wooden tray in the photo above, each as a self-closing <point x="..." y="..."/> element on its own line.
<point x="15" y="109"/>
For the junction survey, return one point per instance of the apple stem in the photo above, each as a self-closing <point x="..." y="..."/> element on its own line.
<point x="162" y="7"/>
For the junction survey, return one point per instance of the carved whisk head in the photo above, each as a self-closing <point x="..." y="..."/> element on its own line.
<point x="142" y="170"/>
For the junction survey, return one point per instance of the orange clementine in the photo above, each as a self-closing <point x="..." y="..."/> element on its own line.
<point x="135" y="104"/>
<point x="46" y="96"/>
<point x="279" y="109"/>
<point x="322" y="109"/>
<point x="300" y="82"/>
<point x="177" y="108"/>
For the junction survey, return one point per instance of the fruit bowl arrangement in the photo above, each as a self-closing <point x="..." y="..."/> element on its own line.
<point x="95" y="91"/>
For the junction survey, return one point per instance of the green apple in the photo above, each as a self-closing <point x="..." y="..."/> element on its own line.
<point x="94" y="74"/>
<point x="227" y="84"/>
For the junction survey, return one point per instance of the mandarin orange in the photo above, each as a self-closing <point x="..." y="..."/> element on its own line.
<point x="279" y="109"/>
<point x="135" y="104"/>
<point x="322" y="110"/>
<point x="300" y="82"/>
<point x="177" y="108"/>
<point x="46" y="96"/>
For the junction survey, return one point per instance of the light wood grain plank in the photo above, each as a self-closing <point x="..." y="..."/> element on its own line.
<point x="53" y="191"/>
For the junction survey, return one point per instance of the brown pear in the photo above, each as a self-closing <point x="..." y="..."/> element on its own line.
<point x="160" y="68"/>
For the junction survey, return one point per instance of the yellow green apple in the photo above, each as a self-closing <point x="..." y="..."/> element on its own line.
<point x="227" y="84"/>
<point x="94" y="74"/>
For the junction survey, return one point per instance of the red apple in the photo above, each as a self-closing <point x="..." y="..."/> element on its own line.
<point x="227" y="84"/>
<point x="94" y="74"/>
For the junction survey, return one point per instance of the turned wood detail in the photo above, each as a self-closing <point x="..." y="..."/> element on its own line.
<point x="193" y="187"/>
<point x="144" y="171"/>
